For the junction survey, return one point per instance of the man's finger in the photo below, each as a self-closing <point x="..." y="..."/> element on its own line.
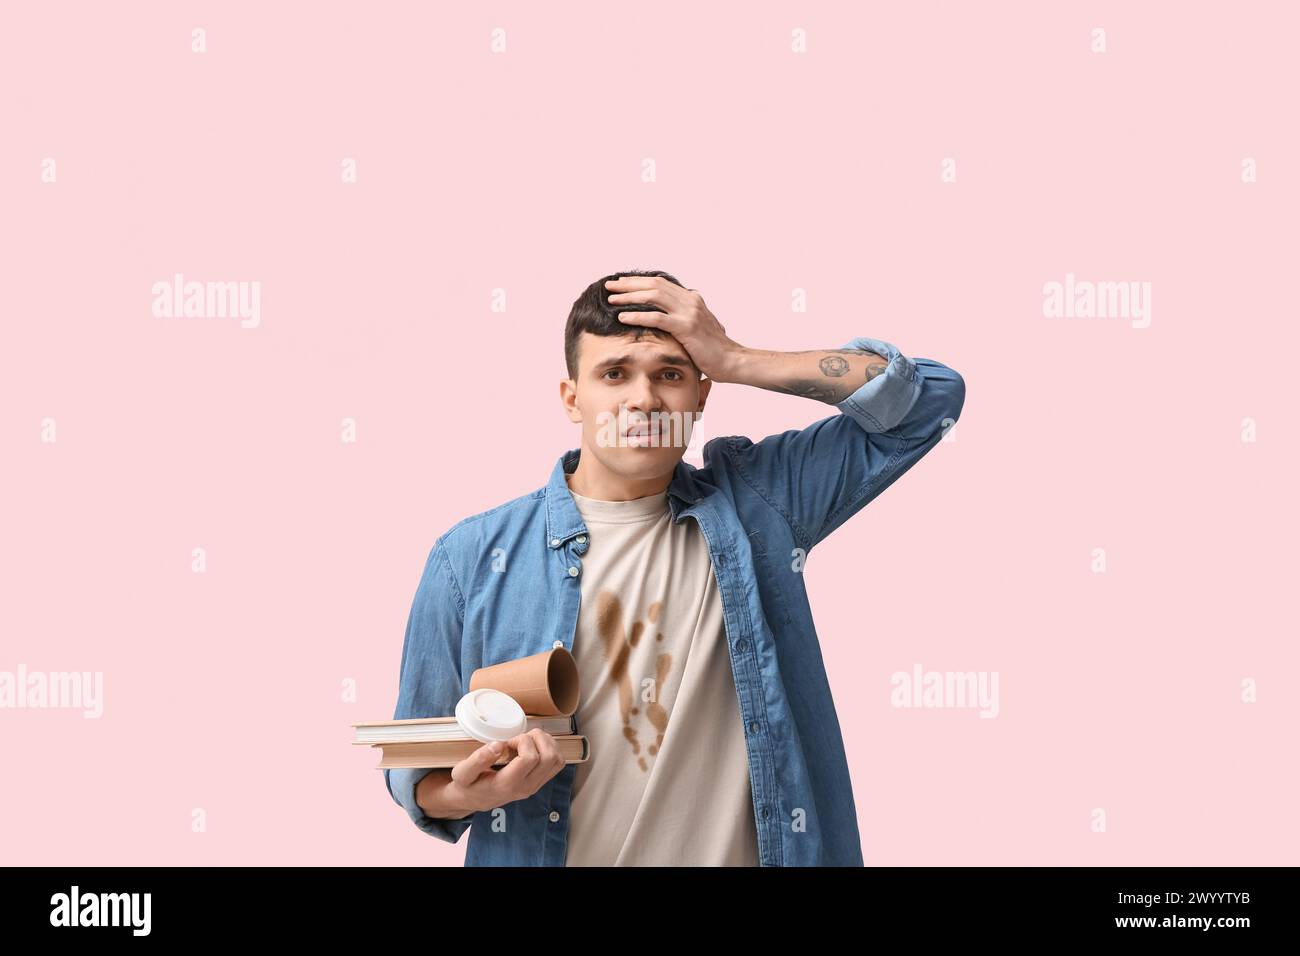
<point x="523" y="763"/>
<point x="657" y="319"/>
<point x="548" y="752"/>
<point x="473" y="766"/>
<point x="667" y="303"/>
<point x="633" y="297"/>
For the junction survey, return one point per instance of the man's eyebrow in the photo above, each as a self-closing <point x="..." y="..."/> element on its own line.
<point x="664" y="358"/>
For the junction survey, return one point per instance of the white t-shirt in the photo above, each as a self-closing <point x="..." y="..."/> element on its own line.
<point x="667" y="782"/>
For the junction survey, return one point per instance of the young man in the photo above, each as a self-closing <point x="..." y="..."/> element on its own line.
<point x="679" y="590"/>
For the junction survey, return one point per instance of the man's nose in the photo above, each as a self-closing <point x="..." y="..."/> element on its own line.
<point x="642" y="396"/>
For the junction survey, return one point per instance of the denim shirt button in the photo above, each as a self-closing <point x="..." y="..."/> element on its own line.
<point x="555" y="815"/>
<point x="558" y="644"/>
<point x="573" y="572"/>
<point x="740" y="643"/>
<point x="582" y="539"/>
<point x="753" y="726"/>
<point x="555" y="542"/>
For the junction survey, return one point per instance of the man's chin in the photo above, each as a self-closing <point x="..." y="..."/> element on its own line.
<point x="641" y="461"/>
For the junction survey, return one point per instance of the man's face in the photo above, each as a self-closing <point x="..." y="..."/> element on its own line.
<point x="636" y="397"/>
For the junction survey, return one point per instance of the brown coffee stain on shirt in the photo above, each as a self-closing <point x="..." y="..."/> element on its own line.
<point x="617" y="646"/>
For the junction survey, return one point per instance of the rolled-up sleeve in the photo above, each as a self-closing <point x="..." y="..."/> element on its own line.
<point x="429" y="684"/>
<point x="883" y="402"/>
<point x="402" y="784"/>
<point x="915" y="398"/>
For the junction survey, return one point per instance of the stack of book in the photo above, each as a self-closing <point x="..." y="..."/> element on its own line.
<point x="440" y="742"/>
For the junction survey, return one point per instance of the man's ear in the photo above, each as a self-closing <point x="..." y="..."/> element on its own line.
<point x="705" y="385"/>
<point x="569" y="399"/>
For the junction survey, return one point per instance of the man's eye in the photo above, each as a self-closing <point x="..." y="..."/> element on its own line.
<point x="677" y="375"/>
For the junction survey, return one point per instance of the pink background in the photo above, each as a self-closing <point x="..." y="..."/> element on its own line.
<point x="521" y="171"/>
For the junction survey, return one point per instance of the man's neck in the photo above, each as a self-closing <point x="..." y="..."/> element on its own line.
<point x="592" y="480"/>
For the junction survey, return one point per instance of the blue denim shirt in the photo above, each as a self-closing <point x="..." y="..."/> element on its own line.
<point x="505" y="583"/>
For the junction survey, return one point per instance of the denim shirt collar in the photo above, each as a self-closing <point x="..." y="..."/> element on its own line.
<point x="563" y="520"/>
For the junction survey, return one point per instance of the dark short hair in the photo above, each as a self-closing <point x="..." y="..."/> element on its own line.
<point x="592" y="313"/>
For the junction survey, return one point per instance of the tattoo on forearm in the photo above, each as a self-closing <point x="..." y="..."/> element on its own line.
<point x="834" y="366"/>
<point x="818" y="390"/>
<point x="866" y="352"/>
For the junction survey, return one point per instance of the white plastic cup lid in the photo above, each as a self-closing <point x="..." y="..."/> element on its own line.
<point x="487" y="715"/>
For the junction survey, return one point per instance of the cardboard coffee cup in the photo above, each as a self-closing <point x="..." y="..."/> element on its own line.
<point x="545" y="684"/>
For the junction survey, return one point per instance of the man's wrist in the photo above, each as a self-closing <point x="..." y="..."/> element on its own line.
<point x="733" y="370"/>
<point x="431" y="797"/>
